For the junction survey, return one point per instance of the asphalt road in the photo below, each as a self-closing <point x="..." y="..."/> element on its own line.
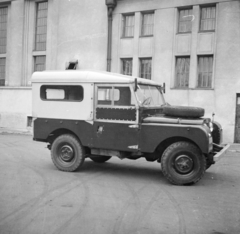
<point x="117" y="197"/>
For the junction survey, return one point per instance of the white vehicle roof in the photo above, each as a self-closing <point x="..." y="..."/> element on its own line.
<point x="83" y="76"/>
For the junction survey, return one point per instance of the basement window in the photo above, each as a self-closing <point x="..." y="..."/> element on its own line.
<point x="29" y="121"/>
<point x="72" y="65"/>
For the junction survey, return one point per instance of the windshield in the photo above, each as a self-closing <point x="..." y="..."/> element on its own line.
<point x="150" y="96"/>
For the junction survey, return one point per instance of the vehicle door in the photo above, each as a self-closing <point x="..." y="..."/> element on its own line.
<point x="115" y="118"/>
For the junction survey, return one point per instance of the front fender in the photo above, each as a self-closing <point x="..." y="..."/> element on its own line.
<point x="152" y="134"/>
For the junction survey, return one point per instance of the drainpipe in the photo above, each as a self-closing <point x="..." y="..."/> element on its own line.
<point x="111" y="4"/>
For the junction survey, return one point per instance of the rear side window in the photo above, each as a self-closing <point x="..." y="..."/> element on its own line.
<point x="61" y="93"/>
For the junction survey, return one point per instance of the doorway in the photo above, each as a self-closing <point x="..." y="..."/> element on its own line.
<point x="237" y="121"/>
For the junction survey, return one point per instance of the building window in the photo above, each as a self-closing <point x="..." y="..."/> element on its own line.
<point x="146" y="68"/>
<point x="40" y="36"/>
<point x="126" y="67"/>
<point x="147" y="24"/>
<point x="185" y="21"/>
<point x="3" y="30"/>
<point x="205" y="68"/>
<point x="3" y="43"/>
<point x="41" y="26"/>
<point x="208" y="18"/>
<point x="182" y="72"/>
<point x="2" y="71"/>
<point x="39" y="63"/>
<point x="128" y="26"/>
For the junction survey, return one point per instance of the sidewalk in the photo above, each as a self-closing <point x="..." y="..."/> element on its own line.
<point x="234" y="148"/>
<point x="16" y="131"/>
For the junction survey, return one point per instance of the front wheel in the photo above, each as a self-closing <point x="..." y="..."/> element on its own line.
<point x="183" y="163"/>
<point x="67" y="153"/>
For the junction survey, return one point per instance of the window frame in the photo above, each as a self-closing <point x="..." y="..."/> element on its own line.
<point x="5" y="30"/>
<point x="2" y="67"/>
<point x="122" y="65"/>
<point x="184" y="9"/>
<point x="112" y="107"/>
<point x="65" y="88"/>
<point x="34" y="62"/>
<point x="198" y="72"/>
<point x="112" y="103"/>
<point x="36" y="25"/>
<point x="124" y="25"/>
<point x="200" y="18"/>
<point x="39" y="53"/>
<point x="3" y="55"/>
<point x="176" y="72"/>
<point x="142" y="24"/>
<point x="140" y="67"/>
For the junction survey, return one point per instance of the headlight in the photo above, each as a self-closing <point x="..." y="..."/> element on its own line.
<point x="209" y="124"/>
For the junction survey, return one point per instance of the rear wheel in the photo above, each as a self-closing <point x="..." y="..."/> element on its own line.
<point x="183" y="163"/>
<point x="100" y="159"/>
<point x="67" y="153"/>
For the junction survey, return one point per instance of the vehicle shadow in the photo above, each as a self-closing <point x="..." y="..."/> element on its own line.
<point x="125" y="170"/>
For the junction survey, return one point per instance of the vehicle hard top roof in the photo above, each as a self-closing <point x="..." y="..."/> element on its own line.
<point x="85" y="76"/>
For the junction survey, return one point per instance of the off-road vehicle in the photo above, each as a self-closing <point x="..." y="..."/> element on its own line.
<point x="99" y="115"/>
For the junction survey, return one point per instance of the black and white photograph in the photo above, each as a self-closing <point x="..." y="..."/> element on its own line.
<point x="119" y="116"/>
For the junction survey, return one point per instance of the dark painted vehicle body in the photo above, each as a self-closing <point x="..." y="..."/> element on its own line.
<point x="119" y="136"/>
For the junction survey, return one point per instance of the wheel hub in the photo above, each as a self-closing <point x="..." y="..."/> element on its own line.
<point x="183" y="164"/>
<point x="66" y="153"/>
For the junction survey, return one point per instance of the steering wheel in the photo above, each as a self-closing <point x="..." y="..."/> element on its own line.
<point x="147" y="101"/>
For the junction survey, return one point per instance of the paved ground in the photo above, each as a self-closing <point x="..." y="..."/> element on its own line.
<point x="118" y="197"/>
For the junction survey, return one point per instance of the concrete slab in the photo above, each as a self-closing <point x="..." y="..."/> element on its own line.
<point x="119" y="196"/>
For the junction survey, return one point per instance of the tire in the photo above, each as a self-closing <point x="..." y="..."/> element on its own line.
<point x="67" y="153"/>
<point x="208" y="165"/>
<point x="183" y="111"/>
<point x="100" y="159"/>
<point x="183" y="163"/>
<point x="217" y="133"/>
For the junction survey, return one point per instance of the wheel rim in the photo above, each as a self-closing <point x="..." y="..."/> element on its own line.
<point x="183" y="164"/>
<point x="66" y="153"/>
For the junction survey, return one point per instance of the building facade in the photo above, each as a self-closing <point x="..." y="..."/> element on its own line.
<point x="193" y="46"/>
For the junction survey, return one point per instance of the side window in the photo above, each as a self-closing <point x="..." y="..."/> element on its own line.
<point x="124" y="98"/>
<point x="106" y="95"/>
<point x="114" y="96"/>
<point x="61" y="93"/>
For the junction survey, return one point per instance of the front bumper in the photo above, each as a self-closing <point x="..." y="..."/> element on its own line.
<point x="219" y="151"/>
